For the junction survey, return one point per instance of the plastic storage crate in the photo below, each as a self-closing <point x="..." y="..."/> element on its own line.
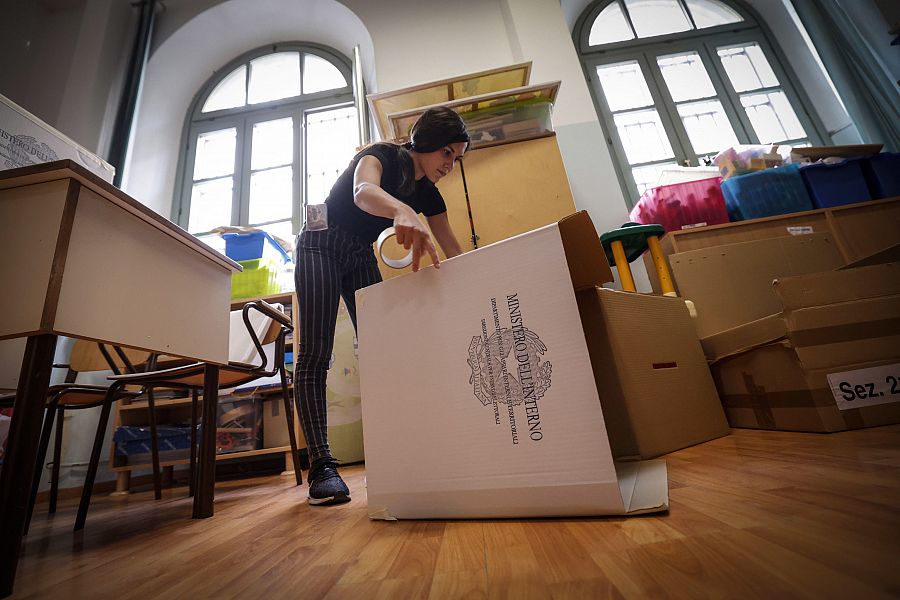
<point x="836" y="184"/>
<point x="682" y="205"/>
<point x="767" y="193"/>
<point x="259" y="278"/>
<point x="515" y="120"/>
<point x="257" y="244"/>
<point x="882" y="172"/>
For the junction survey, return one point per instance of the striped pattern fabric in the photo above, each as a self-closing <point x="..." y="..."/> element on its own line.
<point x="330" y="264"/>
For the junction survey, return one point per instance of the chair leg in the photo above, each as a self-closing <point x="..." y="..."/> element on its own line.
<point x="57" y="459"/>
<point x="289" y="415"/>
<point x="88" y="488"/>
<point x="192" y="473"/>
<point x="154" y="445"/>
<point x="41" y="456"/>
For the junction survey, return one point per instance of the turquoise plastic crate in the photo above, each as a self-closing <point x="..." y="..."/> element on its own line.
<point x="766" y="193"/>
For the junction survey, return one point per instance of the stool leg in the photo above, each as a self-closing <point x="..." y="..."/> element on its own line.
<point x="87" y="490"/>
<point x="625" y="276"/>
<point x="154" y="445"/>
<point x="42" y="454"/>
<point x="662" y="269"/>
<point x="192" y="472"/>
<point x="57" y="459"/>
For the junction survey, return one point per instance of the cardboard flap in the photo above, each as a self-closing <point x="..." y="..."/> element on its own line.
<point x="584" y="252"/>
<point x="644" y="486"/>
<point x="744" y="337"/>
<point x="831" y="287"/>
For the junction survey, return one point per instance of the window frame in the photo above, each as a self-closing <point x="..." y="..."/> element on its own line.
<point x="243" y="118"/>
<point x="704" y="42"/>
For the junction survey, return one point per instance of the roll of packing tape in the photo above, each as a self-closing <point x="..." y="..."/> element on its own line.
<point x="397" y="263"/>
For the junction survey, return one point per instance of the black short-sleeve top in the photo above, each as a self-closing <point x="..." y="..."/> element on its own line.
<point x="424" y="198"/>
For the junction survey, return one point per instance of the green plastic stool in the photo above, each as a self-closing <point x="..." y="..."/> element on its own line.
<point x="627" y="243"/>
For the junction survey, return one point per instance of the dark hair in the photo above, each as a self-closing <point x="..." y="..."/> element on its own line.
<point x="434" y="129"/>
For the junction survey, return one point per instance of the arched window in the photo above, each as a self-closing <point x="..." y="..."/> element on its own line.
<point x="678" y="80"/>
<point x="268" y="133"/>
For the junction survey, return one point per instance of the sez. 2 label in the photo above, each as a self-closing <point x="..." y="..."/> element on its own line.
<point x="866" y="387"/>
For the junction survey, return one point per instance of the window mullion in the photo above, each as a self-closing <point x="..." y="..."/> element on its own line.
<point x="721" y="80"/>
<point x="668" y="113"/>
<point x="298" y="203"/>
<point x="687" y="11"/>
<point x="731" y="102"/>
<point x="627" y="17"/>
<point x="240" y="213"/>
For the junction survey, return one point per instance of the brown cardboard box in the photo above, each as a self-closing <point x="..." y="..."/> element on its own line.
<point x="829" y="361"/>
<point x="655" y="386"/>
<point x="275" y="431"/>
<point x="732" y="284"/>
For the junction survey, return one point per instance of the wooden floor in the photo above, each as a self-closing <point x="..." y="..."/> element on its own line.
<point x="753" y="515"/>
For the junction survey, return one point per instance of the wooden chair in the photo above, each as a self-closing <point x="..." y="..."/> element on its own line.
<point x="274" y="326"/>
<point x="85" y="357"/>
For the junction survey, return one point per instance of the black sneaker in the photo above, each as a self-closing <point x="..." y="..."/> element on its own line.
<point x="325" y="485"/>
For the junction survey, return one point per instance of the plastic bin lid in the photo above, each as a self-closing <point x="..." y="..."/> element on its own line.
<point x="249" y="234"/>
<point x="633" y="237"/>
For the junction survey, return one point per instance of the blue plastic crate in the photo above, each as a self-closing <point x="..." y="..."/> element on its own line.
<point x="883" y="174"/>
<point x="836" y="184"/>
<point x="249" y="246"/>
<point x="766" y="193"/>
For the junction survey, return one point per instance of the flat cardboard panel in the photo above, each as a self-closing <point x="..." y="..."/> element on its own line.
<point x="453" y="431"/>
<point x="30" y="220"/>
<point x="132" y="284"/>
<point x="731" y="285"/>
<point x="655" y="388"/>
<point x="844" y="285"/>
<point x="866" y="228"/>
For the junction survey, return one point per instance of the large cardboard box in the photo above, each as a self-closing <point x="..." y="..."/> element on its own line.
<point x="829" y="361"/>
<point x="479" y="400"/>
<point x="655" y="386"/>
<point x="732" y="284"/>
<point x="26" y="140"/>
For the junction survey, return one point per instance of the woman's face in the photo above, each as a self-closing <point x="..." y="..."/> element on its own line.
<point x="438" y="164"/>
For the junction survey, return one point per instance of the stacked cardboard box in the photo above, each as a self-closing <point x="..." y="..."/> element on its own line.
<point x="505" y="383"/>
<point x="828" y="361"/>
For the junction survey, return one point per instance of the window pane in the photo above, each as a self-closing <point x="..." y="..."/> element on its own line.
<point x="657" y="17"/>
<point x="215" y="154"/>
<point x="231" y="92"/>
<point x="319" y="75"/>
<point x="772" y="117"/>
<point x="610" y="26"/>
<point x="331" y="137"/>
<point x="210" y="205"/>
<point x="707" y="126"/>
<point x="648" y="175"/>
<point x="271" y="195"/>
<point x="747" y="68"/>
<point x="643" y="136"/>
<point x="624" y="86"/>
<point x="273" y="144"/>
<point x="281" y="229"/>
<point x="709" y="13"/>
<point x="274" y="76"/>
<point x="686" y="76"/>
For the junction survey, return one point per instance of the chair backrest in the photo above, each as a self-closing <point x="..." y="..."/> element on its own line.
<point x="86" y="356"/>
<point x="241" y="348"/>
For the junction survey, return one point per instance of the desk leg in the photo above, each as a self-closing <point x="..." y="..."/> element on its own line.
<point x="22" y="445"/>
<point x="206" y="476"/>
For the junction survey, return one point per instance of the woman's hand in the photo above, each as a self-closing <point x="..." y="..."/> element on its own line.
<point x="411" y="233"/>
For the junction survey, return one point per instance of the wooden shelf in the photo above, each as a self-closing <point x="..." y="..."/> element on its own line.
<point x="224" y="456"/>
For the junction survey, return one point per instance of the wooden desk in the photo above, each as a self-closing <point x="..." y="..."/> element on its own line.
<point x="80" y="258"/>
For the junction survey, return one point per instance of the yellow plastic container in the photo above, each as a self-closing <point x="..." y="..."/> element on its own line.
<point x="259" y="278"/>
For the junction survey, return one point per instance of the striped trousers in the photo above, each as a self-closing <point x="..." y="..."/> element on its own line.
<point x="330" y="264"/>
